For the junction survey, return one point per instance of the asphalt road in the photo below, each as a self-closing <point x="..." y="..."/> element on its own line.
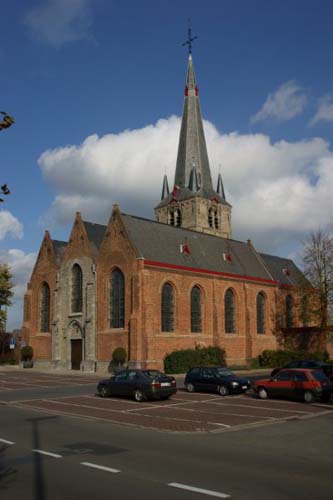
<point x="291" y="460"/>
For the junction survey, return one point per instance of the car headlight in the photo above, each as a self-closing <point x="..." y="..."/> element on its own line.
<point x="234" y="384"/>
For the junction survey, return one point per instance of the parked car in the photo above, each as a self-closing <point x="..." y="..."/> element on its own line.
<point x="298" y="383"/>
<point x="139" y="384"/>
<point x="308" y="363"/>
<point x="215" y="379"/>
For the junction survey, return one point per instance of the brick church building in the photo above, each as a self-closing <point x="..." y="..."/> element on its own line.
<point x="153" y="287"/>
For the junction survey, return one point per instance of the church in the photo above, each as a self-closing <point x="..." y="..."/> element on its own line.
<point x="156" y="286"/>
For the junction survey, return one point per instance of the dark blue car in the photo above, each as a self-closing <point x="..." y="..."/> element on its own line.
<point x="215" y="379"/>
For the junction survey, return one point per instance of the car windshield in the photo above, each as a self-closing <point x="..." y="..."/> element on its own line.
<point x="224" y="372"/>
<point x="153" y="373"/>
<point x="319" y="375"/>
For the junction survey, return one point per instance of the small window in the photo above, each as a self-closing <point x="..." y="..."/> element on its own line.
<point x="207" y="373"/>
<point x="196" y="310"/>
<point x="283" y="376"/>
<point x="300" y="377"/>
<point x="229" y="311"/>
<point x="167" y="308"/>
<point x="260" y="313"/>
<point x="195" y="371"/>
<point x="76" y="289"/>
<point x="289" y="311"/>
<point x="121" y="376"/>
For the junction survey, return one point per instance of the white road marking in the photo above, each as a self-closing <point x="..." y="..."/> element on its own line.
<point x="199" y="490"/>
<point x="101" y="467"/>
<point x="6" y="442"/>
<point x="48" y="453"/>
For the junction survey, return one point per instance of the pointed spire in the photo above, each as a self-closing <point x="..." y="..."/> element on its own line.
<point x="194" y="183"/>
<point x="192" y="144"/>
<point x="165" y="188"/>
<point x="220" y="188"/>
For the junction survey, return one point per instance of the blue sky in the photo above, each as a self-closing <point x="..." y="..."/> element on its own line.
<point x="96" y="89"/>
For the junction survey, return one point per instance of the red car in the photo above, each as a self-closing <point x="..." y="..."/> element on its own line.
<point x="298" y="383"/>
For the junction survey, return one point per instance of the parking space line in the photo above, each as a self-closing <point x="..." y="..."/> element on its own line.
<point x="48" y="453"/>
<point x="100" y="467"/>
<point x="5" y="441"/>
<point x="259" y="407"/>
<point x="199" y="490"/>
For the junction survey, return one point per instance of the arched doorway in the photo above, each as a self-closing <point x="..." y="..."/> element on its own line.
<point x="76" y="346"/>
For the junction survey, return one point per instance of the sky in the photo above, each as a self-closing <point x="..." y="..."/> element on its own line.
<point x="96" y="89"/>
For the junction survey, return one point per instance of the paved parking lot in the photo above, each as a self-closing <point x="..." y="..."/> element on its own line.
<point x="183" y="412"/>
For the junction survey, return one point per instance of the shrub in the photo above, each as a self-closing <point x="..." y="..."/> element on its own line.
<point x="271" y="358"/>
<point x="119" y="356"/>
<point x="183" y="360"/>
<point x="27" y="353"/>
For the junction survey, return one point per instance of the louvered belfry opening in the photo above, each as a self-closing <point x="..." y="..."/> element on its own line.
<point x="117" y="299"/>
<point x="76" y="289"/>
<point x="196" y="325"/>
<point x="229" y="311"/>
<point x="45" y="308"/>
<point x="167" y="309"/>
<point x="260" y="313"/>
<point x="289" y="311"/>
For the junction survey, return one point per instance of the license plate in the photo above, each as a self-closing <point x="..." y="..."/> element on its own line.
<point x="165" y="384"/>
<point x="244" y="386"/>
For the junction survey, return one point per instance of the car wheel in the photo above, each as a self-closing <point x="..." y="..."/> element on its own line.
<point x="262" y="393"/>
<point x="138" y="395"/>
<point x="103" y="392"/>
<point x="223" y="390"/>
<point x="308" y="397"/>
<point x="190" y="388"/>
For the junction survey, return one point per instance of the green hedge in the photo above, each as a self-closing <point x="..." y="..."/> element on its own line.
<point x="272" y="358"/>
<point x="183" y="360"/>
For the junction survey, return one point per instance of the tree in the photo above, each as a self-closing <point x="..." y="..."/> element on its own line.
<point x="6" y="294"/>
<point x="318" y="268"/>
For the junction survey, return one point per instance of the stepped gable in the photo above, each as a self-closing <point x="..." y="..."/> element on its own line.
<point x="284" y="271"/>
<point x="161" y="243"/>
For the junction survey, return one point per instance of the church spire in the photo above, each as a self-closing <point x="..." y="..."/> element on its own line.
<point x="165" y="188"/>
<point x="220" y="188"/>
<point x="192" y="144"/>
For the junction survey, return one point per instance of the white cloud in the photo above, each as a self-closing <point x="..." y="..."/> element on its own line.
<point x="285" y="103"/>
<point x="324" y="111"/>
<point x="9" y="225"/>
<point x="58" y="22"/>
<point x="279" y="191"/>
<point x="21" y="265"/>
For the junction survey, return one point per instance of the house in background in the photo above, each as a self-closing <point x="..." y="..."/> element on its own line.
<point x="153" y="287"/>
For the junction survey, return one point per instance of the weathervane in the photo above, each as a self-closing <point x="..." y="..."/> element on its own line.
<point x="190" y="38"/>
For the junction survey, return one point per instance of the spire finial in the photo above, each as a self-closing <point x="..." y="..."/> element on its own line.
<point x="190" y="38"/>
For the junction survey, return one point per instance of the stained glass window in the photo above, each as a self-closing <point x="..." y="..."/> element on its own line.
<point x="76" y="289"/>
<point x="289" y="311"/>
<point x="229" y="308"/>
<point x="196" y="310"/>
<point x="44" y="306"/>
<point x="260" y="313"/>
<point x="167" y="309"/>
<point x="117" y="299"/>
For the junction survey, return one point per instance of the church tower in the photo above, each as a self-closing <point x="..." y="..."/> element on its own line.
<point x="193" y="203"/>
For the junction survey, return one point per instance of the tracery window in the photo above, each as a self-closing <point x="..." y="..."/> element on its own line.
<point x="167" y="308"/>
<point x="196" y="310"/>
<point x="229" y="311"/>
<point x="44" y="308"/>
<point x="289" y="311"/>
<point x="76" y="288"/>
<point x="213" y="219"/>
<point x="117" y="299"/>
<point x="261" y="313"/>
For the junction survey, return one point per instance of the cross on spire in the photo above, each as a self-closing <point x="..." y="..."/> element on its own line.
<point x="190" y="39"/>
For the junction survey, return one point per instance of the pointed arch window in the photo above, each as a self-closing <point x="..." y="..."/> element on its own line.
<point x="76" y="289"/>
<point x="44" y="308"/>
<point x="196" y="310"/>
<point x="229" y="311"/>
<point x="172" y="218"/>
<point x="305" y="310"/>
<point x="178" y="220"/>
<point x="261" y="313"/>
<point x="167" y="308"/>
<point x="117" y="299"/>
<point x="289" y="311"/>
<point x="210" y="217"/>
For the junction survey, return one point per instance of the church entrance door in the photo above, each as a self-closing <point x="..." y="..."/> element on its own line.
<point x="76" y="353"/>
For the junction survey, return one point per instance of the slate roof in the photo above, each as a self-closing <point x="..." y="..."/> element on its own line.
<point x="95" y="233"/>
<point x="161" y="243"/>
<point x="192" y="149"/>
<point x="59" y="248"/>
<point x="284" y="270"/>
